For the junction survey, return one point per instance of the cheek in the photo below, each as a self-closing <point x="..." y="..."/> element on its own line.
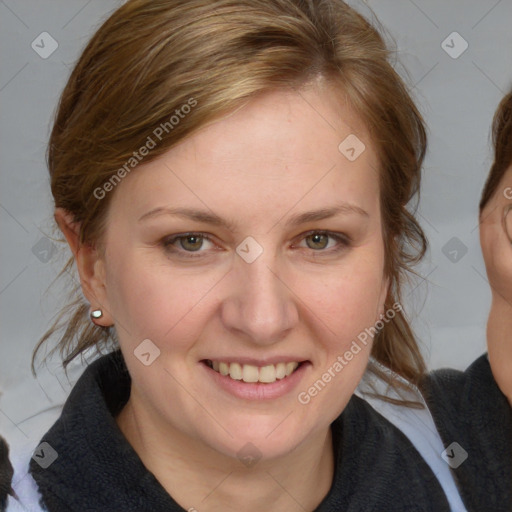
<point x="343" y="312"/>
<point x="152" y="301"/>
<point x="347" y="299"/>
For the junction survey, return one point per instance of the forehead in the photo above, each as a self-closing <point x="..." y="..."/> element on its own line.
<point x="281" y="148"/>
<point x="286" y="125"/>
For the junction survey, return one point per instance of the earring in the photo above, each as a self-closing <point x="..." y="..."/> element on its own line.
<point x="95" y="314"/>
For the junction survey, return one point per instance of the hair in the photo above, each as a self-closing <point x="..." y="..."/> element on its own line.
<point x="153" y="57"/>
<point x="502" y="145"/>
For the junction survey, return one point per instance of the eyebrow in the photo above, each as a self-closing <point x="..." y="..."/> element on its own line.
<point x="326" y="213"/>
<point x="203" y="216"/>
<point x="208" y="217"/>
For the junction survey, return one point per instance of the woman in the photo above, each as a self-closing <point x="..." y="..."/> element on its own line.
<point x="233" y="184"/>
<point x="496" y="240"/>
<point x="6" y="474"/>
<point x="471" y="408"/>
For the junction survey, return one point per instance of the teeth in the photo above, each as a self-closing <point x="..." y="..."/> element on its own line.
<point x="290" y="368"/>
<point x="250" y="373"/>
<point x="268" y="373"/>
<point x="223" y="369"/>
<point x="235" y="371"/>
<point x="280" y="371"/>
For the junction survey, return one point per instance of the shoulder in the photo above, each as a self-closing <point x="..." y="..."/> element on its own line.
<point x="28" y="498"/>
<point x="414" y="421"/>
<point x="474" y="420"/>
<point x="470" y="396"/>
<point x="401" y="479"/>
<point x="453" y="381"/>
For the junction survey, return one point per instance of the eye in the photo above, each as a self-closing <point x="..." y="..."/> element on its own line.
<point x="191" y="242"/>
<point x="324" y="241"/>
<point x="317" y="241"/>
<point x="187" y="243"/>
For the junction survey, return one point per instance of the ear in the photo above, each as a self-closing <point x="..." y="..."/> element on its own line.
<point x="90" y="265"/>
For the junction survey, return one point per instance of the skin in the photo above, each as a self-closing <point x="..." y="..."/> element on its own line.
<point x="497" y="251"/>
<point x="269" y="161"/>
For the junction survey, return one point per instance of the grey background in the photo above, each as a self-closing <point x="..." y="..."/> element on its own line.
<point x="457" y="96"/>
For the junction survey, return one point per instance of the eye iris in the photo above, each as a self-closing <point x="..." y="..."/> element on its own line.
<point x="191" y="243"/>
<point x="318" y="241"/>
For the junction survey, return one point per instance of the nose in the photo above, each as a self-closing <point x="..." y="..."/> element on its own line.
<point x="259" y="305"/>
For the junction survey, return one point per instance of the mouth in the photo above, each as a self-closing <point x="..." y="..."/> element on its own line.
<point x="251" y="374"/>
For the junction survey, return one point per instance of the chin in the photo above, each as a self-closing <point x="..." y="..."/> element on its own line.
<point x="263" y="437"/>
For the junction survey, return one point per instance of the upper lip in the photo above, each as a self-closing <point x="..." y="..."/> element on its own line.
<point x="257" y="362"/>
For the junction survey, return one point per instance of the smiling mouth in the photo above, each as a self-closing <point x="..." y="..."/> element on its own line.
<point x="251" y="374"/>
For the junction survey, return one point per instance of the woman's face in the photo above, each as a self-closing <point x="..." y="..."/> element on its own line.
<point x="496" y="238"/>
<point x="496" y="242"/>
<point x="253" y="247"/>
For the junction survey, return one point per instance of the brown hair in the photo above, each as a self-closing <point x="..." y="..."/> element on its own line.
<point x="502" y="142"/>
<point x="153" y="56"/>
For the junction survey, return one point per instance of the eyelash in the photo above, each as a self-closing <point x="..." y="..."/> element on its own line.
<point x="343" y="242"/>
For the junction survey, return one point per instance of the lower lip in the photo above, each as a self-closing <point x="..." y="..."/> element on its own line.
<point x="258" y="390"/>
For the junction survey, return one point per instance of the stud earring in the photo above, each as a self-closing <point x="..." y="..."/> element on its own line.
<point x="96" y="313"/>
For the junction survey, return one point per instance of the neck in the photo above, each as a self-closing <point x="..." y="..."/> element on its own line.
<point x="204" y="480"/>
<point x="499" y="343"/>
